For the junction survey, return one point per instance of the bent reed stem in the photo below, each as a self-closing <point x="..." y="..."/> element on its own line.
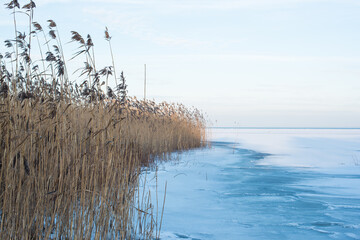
<point x="71" y="157"/>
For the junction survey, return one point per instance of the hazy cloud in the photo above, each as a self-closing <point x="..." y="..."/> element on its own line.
<point x="139" y="26"/>
<point x="195" y="4"/>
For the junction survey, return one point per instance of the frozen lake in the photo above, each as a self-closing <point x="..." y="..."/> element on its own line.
<point x="264" y="184"/>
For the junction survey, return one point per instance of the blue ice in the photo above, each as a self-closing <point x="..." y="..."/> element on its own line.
<point x="227" y="191"/>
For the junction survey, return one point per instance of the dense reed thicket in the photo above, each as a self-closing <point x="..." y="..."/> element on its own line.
<point x="71" y="155"/>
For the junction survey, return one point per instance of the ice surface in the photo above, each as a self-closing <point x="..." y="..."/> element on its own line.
<point x="264" y="184"/>
<point x="298" y="147"/>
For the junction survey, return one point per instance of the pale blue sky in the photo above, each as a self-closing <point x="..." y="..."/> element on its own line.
<point x="248" y="63"/>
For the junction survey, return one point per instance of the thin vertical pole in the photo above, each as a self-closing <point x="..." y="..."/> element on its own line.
<point x="144" y="81"/>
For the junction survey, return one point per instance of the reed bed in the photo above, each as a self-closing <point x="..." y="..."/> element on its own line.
<point x="71" y="155"/>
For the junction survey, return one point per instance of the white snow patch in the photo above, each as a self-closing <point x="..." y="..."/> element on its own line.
<point x="312" y="148"/>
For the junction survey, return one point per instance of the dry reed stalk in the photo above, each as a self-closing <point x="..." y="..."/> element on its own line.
<point x="71" y="170"/>
<point x="70" y="157"/>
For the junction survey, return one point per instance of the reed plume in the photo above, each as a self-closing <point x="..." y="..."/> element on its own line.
<point x="71" y="155"/>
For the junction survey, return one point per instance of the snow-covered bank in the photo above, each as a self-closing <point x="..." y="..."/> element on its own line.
<point x="249" y="185"/>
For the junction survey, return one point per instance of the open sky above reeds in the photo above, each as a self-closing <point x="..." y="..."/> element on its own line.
<point x="275" y="63"/>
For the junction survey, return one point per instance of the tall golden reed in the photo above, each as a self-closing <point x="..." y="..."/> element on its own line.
<point x="71" y="156"/>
